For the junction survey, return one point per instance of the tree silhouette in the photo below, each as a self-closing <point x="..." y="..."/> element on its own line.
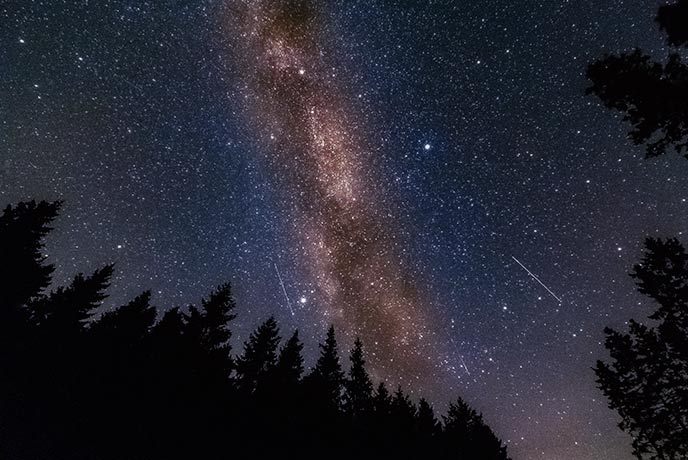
<point x="358" y="387"/>
<point x="289" y="368"/>
<point x="427" y="424"/>
<point x="24" y="275"/>
<point x="653" y="97"/>
<point x="23" y="272"/>
<point x="465" y="431"/>
<point x="259" y="357"/>
<point x="80" y="383"/>
<point x="382" y="401"/>
<point x="327" y="378"/>
<point x="672" y="19"/>
<point x="67" y="309"/>
<point x="128" y="325"/>
<point x="217" y="313"/>
<point x="286" y="397"/>
<point x="647" y="379"/>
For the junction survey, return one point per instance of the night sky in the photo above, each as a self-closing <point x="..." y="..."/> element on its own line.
<point x="380" y="165"/>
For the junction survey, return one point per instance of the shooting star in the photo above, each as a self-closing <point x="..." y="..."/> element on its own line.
<point x="284" y="290"/>
<point x="463" y="363"/>
<point x="537" y="279"/>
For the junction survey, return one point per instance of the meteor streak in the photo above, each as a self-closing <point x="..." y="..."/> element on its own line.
<point x="537" y="279"/>
<point x="463" y="363"/>
<point x="284" y="290"/>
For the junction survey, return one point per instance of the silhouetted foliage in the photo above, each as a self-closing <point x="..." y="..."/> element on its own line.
<point x="259" y="358"/>
<point x="672" y="20"/>
<point x="426" y="422"/>
<point x="289" y="368"/>
<point x="80" y="382"/>
<point x="652" y="96"/>
<point x="23" y="272"/>
<point x="646" y="381"/>
<point x="327" y="378"/>
<point x="359" y="387"/>
<point x="465" y="431"/>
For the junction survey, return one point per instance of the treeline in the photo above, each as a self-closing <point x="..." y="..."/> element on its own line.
<point x="133" y="384"/>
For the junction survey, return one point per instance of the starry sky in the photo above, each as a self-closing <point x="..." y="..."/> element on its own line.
<point x="395" y="168"/>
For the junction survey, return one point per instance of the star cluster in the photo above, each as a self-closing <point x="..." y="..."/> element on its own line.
<point x="378" y="165"/>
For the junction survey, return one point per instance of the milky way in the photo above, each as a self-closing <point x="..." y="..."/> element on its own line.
<point x="318" y="155"/>
<point x="203" y="141"/>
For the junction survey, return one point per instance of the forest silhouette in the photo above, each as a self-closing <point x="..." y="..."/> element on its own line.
<point x="135" y="383"/>
<point x="646" y="379"/>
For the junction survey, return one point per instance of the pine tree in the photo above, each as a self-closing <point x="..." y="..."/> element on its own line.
<point x="65" y="311"/>
<point x="403" y="410"/>
<point x="259" y="358"/>
<point x="382" y="401"/>
<point x="127" y="325"/>
<point x="426" y="423"/>
<point x="465" y="431"/>
<point x="218" y="312"/>
<point x="327" y="377"/>
<point x="646" y="381"/>
<point x="358" y="387"/>
<point x="117" y="349"/>
<point x="24" y="275"/>
<point x="289" y="368"/>
<point x="460" y="424"/>
<point x="672" y="19"/>
<point x="651" y="95"/>
<point x="208" y="328"/>
<point x="169" y="357"/>
<point x="118" y="360"/>
<point x="23" y="271"/>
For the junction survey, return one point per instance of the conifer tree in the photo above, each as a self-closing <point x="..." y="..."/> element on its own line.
<point x="259" y="357"/>
<point x="327" y="377"/>
<point x="23" y="271"/>
<point x="651" y="95"/>
<point x="218" y="311"/>
<point x="382" y="401"/>
<point x="647" y="380"/>
<point x="358" y="387"/>
<point x="672" y="20"/>
<point x="427" y="424"/>
<point x="66" y="310"/>
<point x="24" y="275"/>
<point x="403" y="410"/>
<point x="289" y="368"/>
<point x="465" y="431"/>
<point x="208" y="329"/>
<point x="127" y="325"/>
<point x="460" y="424"/>
<point x="168" y="351"/>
